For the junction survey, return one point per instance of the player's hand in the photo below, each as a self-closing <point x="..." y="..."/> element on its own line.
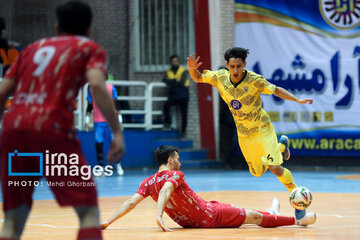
<point x="87" y="127"/>
<point x="104" y="225"/>
<point x="193" y="62"/>
<point x="117" y="148"/>
<point x="161" y="224"/>
<point x="305" y="100"/>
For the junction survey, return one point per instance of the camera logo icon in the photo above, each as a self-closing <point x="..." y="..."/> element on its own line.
<point x="17" y="154"/>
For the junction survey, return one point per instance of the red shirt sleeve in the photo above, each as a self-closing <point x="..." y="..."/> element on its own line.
<point x="176" y="179"/>
<point x="144" y="189"/>
<point x="96" y="57"/>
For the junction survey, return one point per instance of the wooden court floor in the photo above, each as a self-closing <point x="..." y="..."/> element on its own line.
<point x="338" y="217"/>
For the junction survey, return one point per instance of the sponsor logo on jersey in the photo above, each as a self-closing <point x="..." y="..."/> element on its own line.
<point x="235" y="104"/>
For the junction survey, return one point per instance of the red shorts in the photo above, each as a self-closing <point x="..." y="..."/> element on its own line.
<point x="68" y="190"/>
<point x="227" y="216"/>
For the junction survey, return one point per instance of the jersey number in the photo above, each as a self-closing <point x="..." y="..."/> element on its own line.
<point x="42" y="58"/>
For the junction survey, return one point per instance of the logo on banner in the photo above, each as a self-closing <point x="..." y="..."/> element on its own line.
<point x="235" y="104"/>
<point x="55" y="164"/>
<point x="340" y="14"/>
<point x="36" y="173"/>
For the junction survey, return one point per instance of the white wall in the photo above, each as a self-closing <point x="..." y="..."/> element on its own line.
<point x="221" y="38"/>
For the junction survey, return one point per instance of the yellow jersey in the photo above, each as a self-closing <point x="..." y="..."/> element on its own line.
<point x="242" y="98"/>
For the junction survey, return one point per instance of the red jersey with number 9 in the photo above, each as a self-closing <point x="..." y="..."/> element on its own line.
<point x="48" y="75"/>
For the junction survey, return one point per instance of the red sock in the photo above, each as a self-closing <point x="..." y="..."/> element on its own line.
<point x="89" y="234"/>
<point x="276" y="221"/>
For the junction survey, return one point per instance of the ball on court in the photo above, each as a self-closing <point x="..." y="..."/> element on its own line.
<point x="300" y="198"/>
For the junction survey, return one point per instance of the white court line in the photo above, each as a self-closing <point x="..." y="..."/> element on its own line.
<point x="173" y="235"/>
<point x="338" y="216"/>
<point x="337" y="226"/>
<point x="52" y="215"/>
<point x="51" y="226"/>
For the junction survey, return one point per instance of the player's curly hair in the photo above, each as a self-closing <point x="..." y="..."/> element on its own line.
<point x="74" y="17"/>
<point x="236" y="52"/>
<point x="164" y="152"/>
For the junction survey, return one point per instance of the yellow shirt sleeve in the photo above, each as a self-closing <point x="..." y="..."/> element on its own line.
<point x="264" y="86"/>
<point x="210" y="77"/>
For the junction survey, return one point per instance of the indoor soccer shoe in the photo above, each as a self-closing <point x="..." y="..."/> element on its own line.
<point x="275" y="207"/>
<point x="308" y="219"/>
<point x="285" y="140"/>
<point x="299" y="214"/>
<point x="120" y="170"/>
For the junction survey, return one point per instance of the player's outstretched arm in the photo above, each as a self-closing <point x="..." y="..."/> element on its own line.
<point x="163" y="198"/>
<point x="193" y="64"/>
<point x="96" y="79"/>
<point x="284" y="94"/>
<point x="126" y="207"/>
<point x="7" y="86"/>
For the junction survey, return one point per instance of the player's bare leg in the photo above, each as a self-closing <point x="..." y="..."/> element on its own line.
<point x="89" y="223"/>
<point x="14" y="222"/>
<point x="253" y="217"/>
<point x="273" y="210"/>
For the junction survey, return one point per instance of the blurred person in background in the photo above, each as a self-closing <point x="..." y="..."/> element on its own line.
<point x="178" y="82"/>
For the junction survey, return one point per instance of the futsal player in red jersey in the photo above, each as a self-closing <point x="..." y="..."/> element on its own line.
<point x="174" y="196"/>
<point x="44" y="82"/>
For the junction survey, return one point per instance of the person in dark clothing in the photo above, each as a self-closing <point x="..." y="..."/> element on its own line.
<point x="178" y="82"/>
<point x="4" y="46"/>
<point x="3" y="40"/>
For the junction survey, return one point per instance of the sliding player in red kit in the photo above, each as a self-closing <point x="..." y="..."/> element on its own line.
<point x="44" y="81"/>
<point x="174" y="196"/>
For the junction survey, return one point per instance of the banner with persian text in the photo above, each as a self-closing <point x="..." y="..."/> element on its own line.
<point x="312" y="49"/>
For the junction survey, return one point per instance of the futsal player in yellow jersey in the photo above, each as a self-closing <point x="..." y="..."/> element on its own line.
<point x="241" y="90"/>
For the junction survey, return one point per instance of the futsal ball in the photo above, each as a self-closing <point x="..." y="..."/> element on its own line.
<point x="300" y="198"/>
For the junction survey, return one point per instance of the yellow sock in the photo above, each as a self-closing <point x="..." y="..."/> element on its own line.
<point x="281" y="147"/>
<point x="287" y="180"/>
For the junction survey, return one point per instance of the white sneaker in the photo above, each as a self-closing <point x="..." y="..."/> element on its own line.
<point x="120" y="170"/>
<point x="308" y="219"/>
<point x="275" y="207"/>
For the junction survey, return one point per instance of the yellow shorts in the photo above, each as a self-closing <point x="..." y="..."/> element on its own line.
<point x="261" y="146"/>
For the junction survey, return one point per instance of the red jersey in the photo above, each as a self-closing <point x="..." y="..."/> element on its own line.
<point x="48" y="76"/>
<point x="184" y="206"/>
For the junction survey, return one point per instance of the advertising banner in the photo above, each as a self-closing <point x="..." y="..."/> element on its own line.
<point x="312" y="49"/>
